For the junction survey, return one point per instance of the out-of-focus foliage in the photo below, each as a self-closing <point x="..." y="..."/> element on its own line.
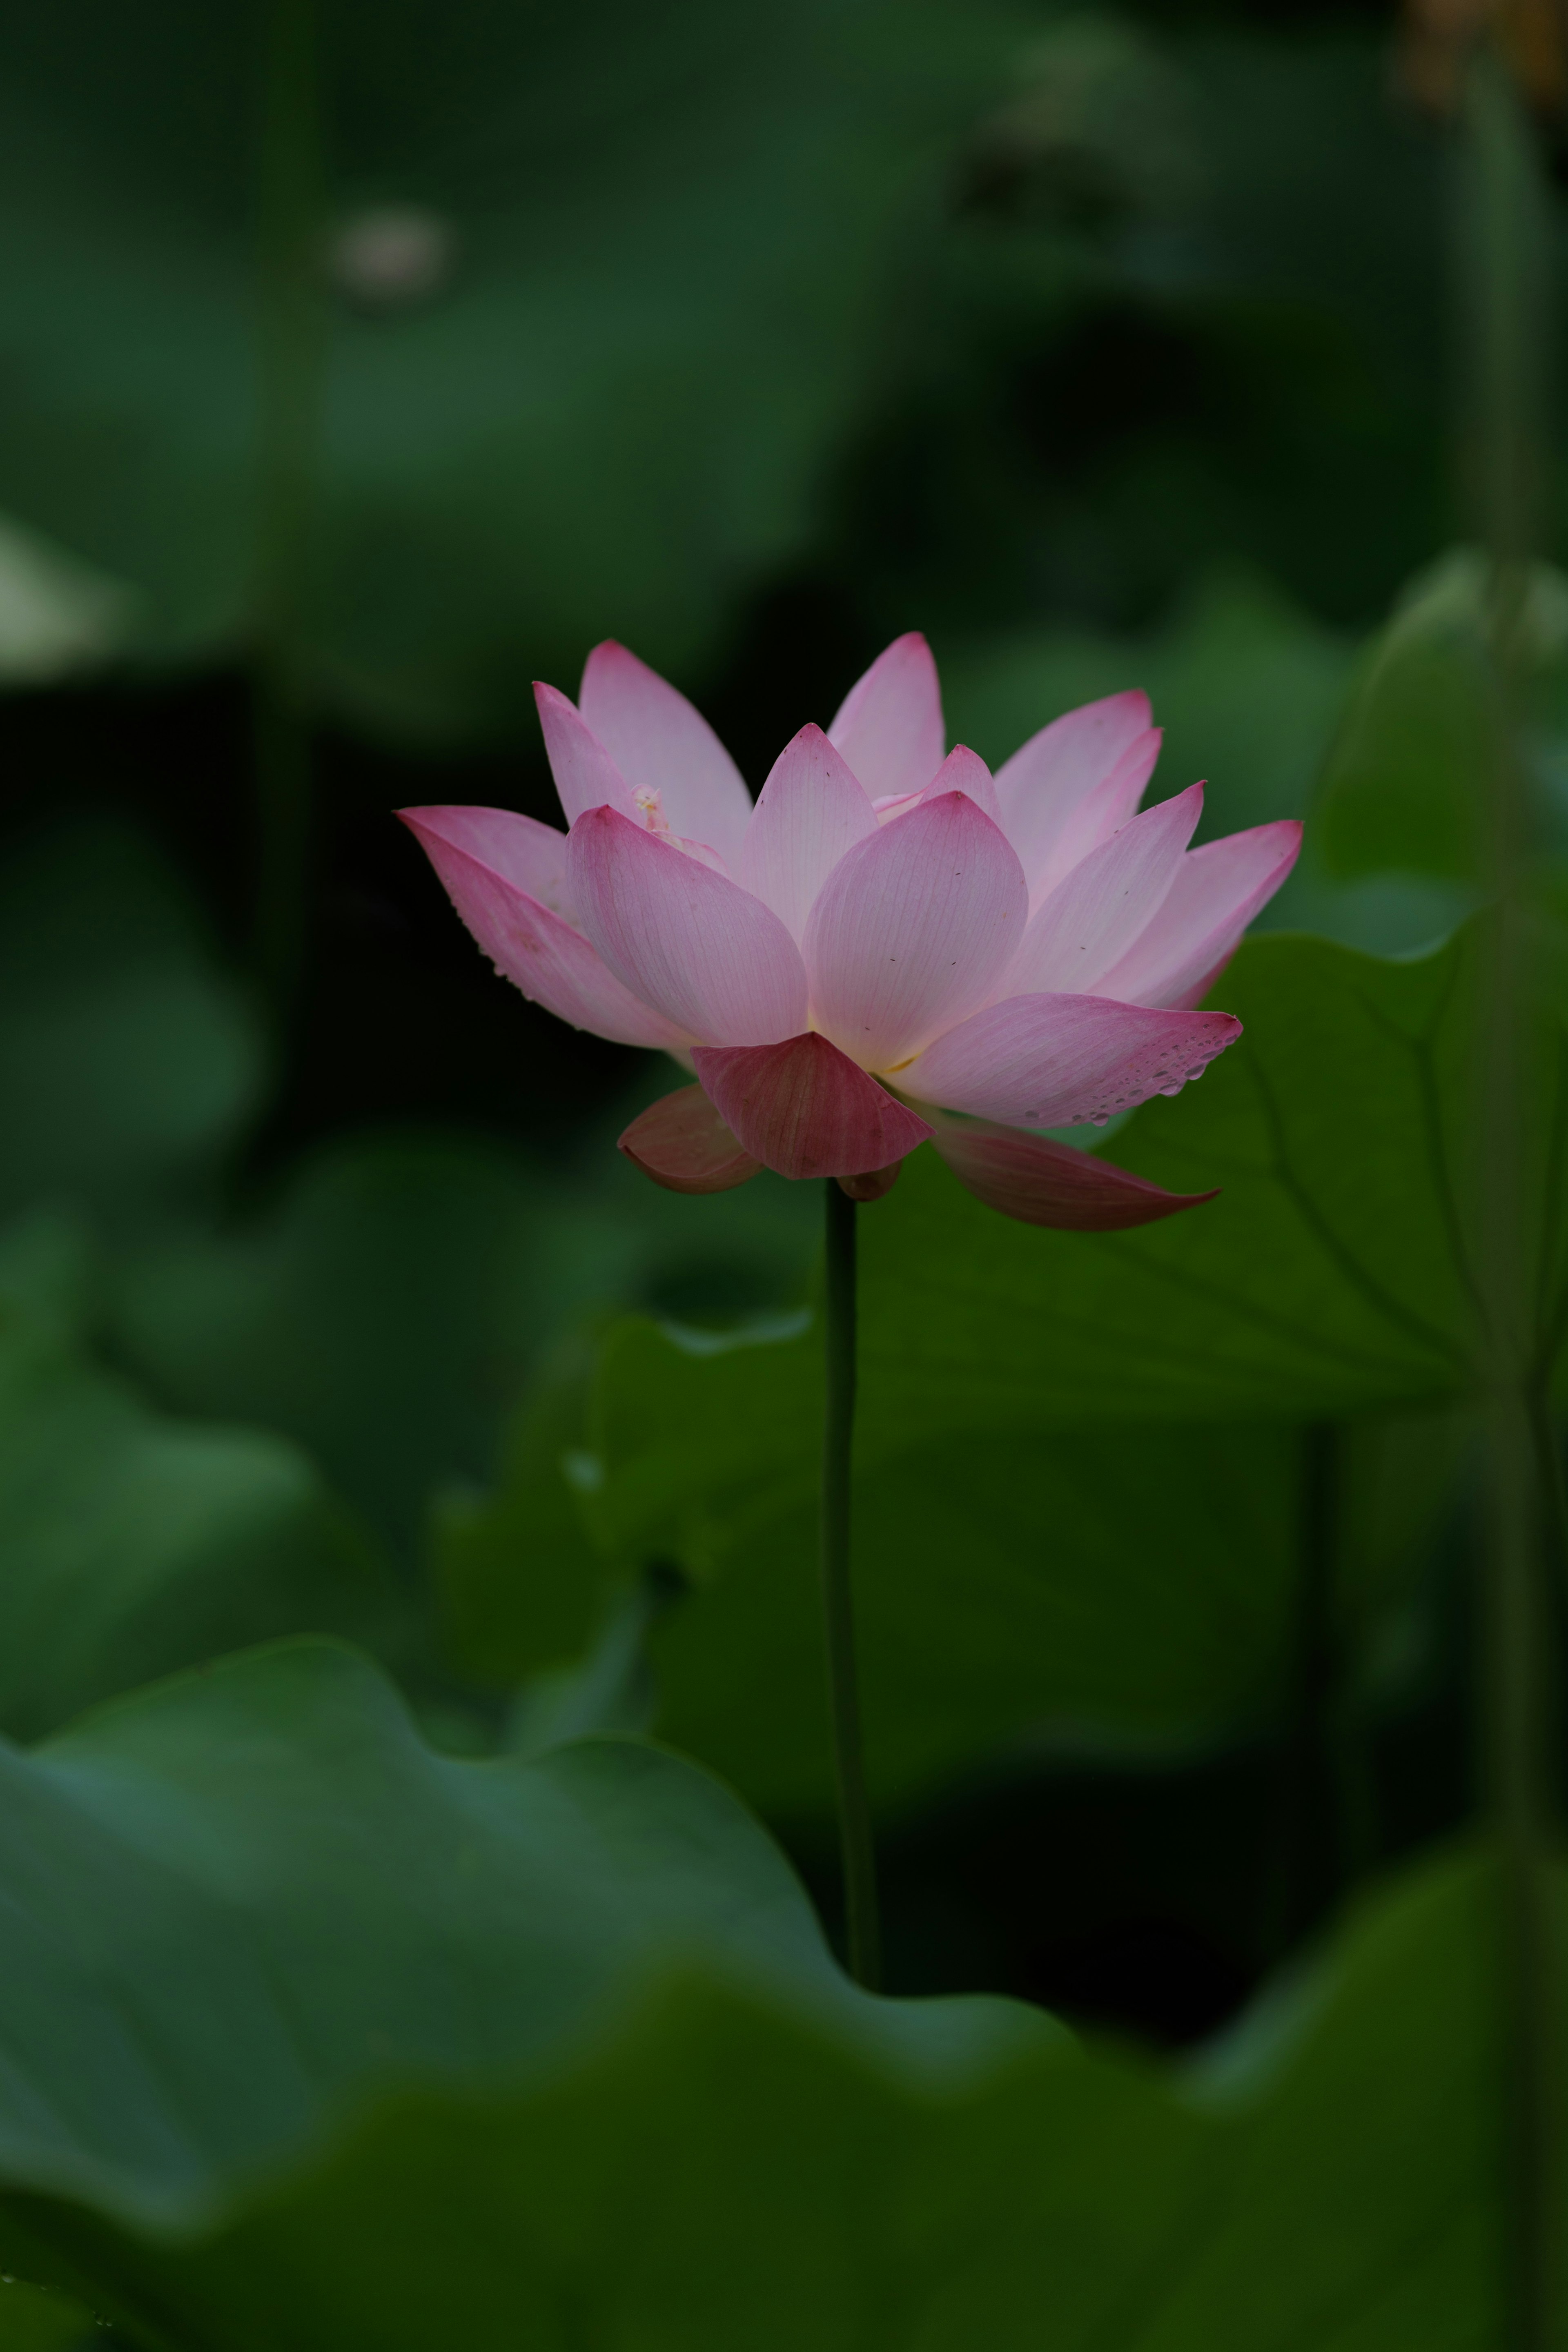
<point x="1428" y="725"/>
<point x="605" y="289"/>
<point x="127" y="1064"/>
<point x="134" y="1544"/>
<point x="727" y="2145"/>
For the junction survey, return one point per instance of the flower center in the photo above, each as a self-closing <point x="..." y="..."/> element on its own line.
<point x="649" y="802"/>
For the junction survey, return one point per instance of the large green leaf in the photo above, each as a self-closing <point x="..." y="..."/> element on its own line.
<point x="302" y="1907"/>
<point x="33" y="2321"/>
<point x="1016" y="1588"/>
<point x="131" y="1544"/>
<point x="1333" y="1273"/>
<point x="670" y="240"/>
<point x="552" y="2054"/>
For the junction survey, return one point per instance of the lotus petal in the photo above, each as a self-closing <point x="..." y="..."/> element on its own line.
<point x="585" y="775"/>
<point x="662" y="744"/>
<point x="683" y="1144"/>
<point x="811" y="811"/>
<point x="1106" y="902"/>
<point x="1046" y="1183"/>
<point x="535" y="949"/>
<point x="705" y="954"/>
<point x="1216" y="892"/>
<point x="889" y="726"/>
<point x="913" y="929"/>
<point x="806" y="1110"/>
<point x="1059" y="1061"/>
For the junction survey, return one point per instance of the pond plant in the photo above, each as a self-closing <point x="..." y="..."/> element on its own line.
<point x="893" y="946"/>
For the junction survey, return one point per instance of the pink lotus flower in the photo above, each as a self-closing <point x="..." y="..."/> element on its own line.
<point x="892" y="946"/>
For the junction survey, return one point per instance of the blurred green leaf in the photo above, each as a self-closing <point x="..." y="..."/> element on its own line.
<point x="33" y="2321"/>
<point x="521" y="1580"/>
<point x="545" y="2051"/>
<point x="389" y="1306"/>
<point x="133" y="1545"/>
<point x="608" y="286"/>
<point x="1127" y="1587"/>
<point x="128" y="1062"/>
<point x="1412" y="763"/>
<point x="381" y="1314"/>
<point x="57" y="617"/>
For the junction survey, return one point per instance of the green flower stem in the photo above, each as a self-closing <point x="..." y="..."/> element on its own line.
<point x="290" y="338"/>
<point x="864" y="1935"/>
<point x="1506" y="286"/>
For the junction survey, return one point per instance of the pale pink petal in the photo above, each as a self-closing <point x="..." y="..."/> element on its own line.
<point x="1043" y="782"/>
<point x="964" y="770"/>
<point x="1216" y="892"/>
<point x="1109" y="899"/>
<point x="913" y="927"/>
<point x="1099" y="815"/>
<point x="1044" y="1183"/>
<point x="661" y="744"/>
<point x="529" y="856"/>
<point x="540" y="953"/>
<point x="709" y="956"/>
<point x="1058" y="1061"/>
<point x="806" y="1110"/>
<point x="585" y="775"/>
<point x="683" y="1144"/>
<point x="810" y="812"/>
<point x="889" y="726"/>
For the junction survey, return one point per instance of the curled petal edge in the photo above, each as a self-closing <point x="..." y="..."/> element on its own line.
<point x="683" y="1144"/>
<point x="804" y="1108"/>
<point x="1040" y="1183"/>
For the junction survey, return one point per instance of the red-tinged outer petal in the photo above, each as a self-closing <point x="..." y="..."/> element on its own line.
<point x="811" y="811"/>
<point x="683" y="1144"/>
<point x="537" y="951"/>
<point x="705" y="954"/>
<point x="875" y="1186"/>
<point x="661" y="744"/>
<point x="529" y="856"/>
<point x="806" y="1110"/>
<point x="1044" y="1183"/>
<point x="1216" y="892"/>
<point x="914" y="927"/>
<point x="1046" y="779"/>
<point x="1060" y="1061"/>
<point x="1106" y="902"/>
<point x="964" y="770"/>
<point x="585" y="775"/>
<point x="889" y="726"/>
